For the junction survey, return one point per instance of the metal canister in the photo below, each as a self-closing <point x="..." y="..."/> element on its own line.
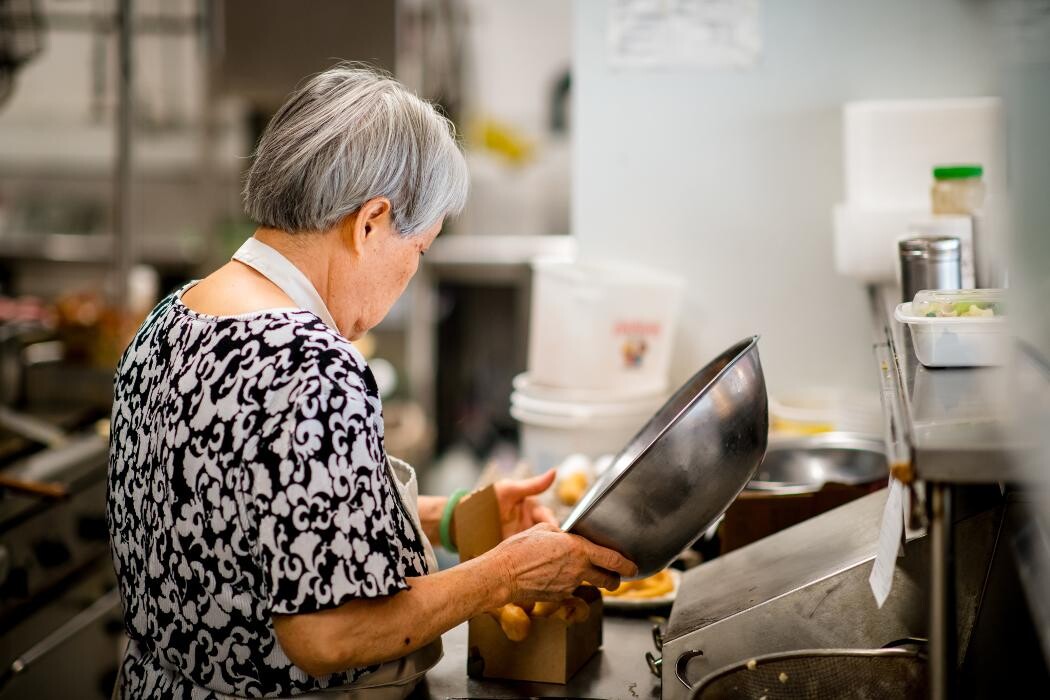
<point x="929" y="262"/>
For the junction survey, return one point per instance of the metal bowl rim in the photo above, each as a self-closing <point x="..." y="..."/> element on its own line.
<point x="752" y="344"/>
<point x="835" y="439"/>
<point x="782" y="488"/>
<point x="846" y="439"/>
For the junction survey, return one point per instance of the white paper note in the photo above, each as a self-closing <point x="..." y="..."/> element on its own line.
<point x="670" y="33"/>
<point x="881" y="578"/>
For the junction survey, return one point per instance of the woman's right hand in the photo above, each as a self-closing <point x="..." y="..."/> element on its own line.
<point x="544" y="563"/>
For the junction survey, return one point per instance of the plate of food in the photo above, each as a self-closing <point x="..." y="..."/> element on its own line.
<point x="654" y="591"/>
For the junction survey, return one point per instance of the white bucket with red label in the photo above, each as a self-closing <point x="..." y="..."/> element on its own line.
<point x="602" y="327"/>
<point x="551" y="429"/>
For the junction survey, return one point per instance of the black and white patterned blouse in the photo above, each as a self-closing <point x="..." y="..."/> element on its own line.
<point x="247" y="478"/>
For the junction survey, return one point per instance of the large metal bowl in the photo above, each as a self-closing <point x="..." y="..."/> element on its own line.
<point x="684" y="467"/>
<point x="796" y="465"/>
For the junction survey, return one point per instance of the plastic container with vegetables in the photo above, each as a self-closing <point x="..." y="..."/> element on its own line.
<point x="957" y="328"/>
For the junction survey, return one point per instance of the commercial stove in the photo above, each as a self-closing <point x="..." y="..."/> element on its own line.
<point x="807" y="588"/>
<point x="57" y="589"/>
<point x="46" y="537"/>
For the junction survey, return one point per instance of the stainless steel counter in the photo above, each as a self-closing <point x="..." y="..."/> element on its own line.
<point x="617" y="672"/>
<point x="960" y="425"/>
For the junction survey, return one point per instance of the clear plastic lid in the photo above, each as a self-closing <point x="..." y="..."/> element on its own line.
<point x="947" y="303"/>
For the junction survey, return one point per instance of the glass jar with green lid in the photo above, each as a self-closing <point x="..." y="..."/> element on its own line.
<point x="957" y="189"/>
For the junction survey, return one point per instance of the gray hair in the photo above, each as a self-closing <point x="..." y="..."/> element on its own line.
<point x="348" y="135"/>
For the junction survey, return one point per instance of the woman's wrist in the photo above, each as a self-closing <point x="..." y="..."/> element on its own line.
<point x="430" y="510"/>
<point x="446" y="530"/>
<point x="497" y="573"/>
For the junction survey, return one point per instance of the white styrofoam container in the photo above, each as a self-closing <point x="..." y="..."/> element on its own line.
<point x="889" y="149"/>
<point x="866" y="241"/>
<point x="956" y="342"/>
<point x="602" y="327"/>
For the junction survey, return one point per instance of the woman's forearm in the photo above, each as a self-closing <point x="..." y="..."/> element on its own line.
<point x="431" y="509"/>
<point x="366" y="632"/>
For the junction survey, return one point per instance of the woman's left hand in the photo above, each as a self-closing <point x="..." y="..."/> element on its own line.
<point x="518" y="508"/>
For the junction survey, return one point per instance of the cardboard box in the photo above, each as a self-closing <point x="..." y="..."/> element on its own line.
<point x="554" y="649"/>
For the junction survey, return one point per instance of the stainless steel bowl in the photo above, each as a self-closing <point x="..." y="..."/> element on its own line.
<point x="804" y="464"/>
<point x="685" y="466"/>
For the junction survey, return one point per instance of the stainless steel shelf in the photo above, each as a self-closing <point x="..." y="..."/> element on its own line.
<point x="96" y="249"/>
<point x="960" y="425"/>
<point x="78" y="150"/>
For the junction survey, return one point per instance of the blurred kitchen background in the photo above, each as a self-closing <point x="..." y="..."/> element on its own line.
<point x="596" y="131"/>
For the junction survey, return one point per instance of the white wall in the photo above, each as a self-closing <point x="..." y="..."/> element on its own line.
<point x="517" y="50"/>
<point x="728" y="176"/>
<point x="56" y="86"/>
<point x="515" y="54"/>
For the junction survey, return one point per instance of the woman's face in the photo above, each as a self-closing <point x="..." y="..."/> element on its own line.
<point x="373" y="270"/>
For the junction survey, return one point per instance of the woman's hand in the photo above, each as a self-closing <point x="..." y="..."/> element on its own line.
<point x="518" y="508"/>
<point x="543" y="563"/>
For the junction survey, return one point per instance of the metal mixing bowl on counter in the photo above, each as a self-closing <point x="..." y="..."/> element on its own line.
<point x="795" y="465"/>
<point x="684" y="467"/>
<point x="800" y="478"/>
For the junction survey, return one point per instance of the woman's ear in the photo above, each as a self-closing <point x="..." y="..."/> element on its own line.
<point x="359" y="228"/>
<point x="374" y="215"/>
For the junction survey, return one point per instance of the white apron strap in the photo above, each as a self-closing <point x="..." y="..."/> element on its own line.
<point x="278" y="269"/>
<point x="408" y="488"/>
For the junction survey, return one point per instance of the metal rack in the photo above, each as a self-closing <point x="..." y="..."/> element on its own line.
<point x="119" y="249"/>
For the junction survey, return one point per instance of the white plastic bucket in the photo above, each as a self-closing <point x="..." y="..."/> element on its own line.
<point x="823" y="409"/>
<point x="551" y="430"/>
<point x="603" y="327"/>
<point x="524" y="384"/>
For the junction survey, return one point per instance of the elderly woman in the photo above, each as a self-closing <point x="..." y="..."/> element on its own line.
<point x="264" y="543"/>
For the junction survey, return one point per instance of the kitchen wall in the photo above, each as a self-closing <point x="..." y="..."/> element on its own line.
<point x="516" y="52"/>
<point x="728" y="176"/>
<point x="515" y="55"/>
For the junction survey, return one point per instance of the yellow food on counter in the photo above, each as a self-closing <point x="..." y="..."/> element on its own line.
<point x="652" y="587"/>
<point x="571" y="489"/>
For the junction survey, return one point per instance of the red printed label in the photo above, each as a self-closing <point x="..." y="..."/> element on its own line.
<point x="636" y="328"/>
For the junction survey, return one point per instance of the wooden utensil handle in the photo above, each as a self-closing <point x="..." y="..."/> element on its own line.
<point x="34" y="488"/>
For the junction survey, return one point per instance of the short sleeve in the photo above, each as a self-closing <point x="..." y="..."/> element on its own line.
<point x="325" y="509"/>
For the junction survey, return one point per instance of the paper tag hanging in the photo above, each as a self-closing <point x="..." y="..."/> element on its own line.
<point x="890" y="533"/>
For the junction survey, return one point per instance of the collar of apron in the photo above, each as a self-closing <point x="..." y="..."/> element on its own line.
<point x="269" y="263"/>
